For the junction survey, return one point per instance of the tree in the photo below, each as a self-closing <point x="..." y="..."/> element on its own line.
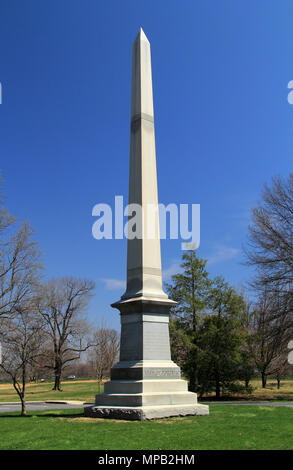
<point x="220" y="337"/>
<point x="180" y="345"/>
<point x="190" y="289"/>
<point x="21" y="338"/>
<point x="206" y="329"/>
<point x="219" y="362"/>
<point x="270" y="245"/>
<point x="104" y="353"/>
<point x="19" y="262"/>
<point x="247" y="366"/>
<point x="271" y="330"/>
<point x="280" y="367"/>
<point x="62" y="304"/>
<point x="19" y="266"/>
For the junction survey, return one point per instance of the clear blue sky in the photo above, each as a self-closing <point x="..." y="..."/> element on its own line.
<point x="223" y="122"/>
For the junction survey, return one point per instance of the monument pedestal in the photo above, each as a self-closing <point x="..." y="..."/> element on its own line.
<point x="141" y="386"/>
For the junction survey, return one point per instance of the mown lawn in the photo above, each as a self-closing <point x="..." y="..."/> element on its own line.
<point x="271" y="391"/>
<point x="85" y="391"/>
<point x="227" y="427"/>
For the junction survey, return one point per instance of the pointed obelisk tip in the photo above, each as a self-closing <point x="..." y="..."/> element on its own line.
<point x="141" y="35"/>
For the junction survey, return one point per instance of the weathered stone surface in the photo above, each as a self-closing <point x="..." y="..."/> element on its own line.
<point x="144" y="373"/>
<point x="145" y="336"/>
<point x="144" y="271"/>
<point x="145" y="412"/>
<point x="145" y="369"/>
<point x="151" y="398"/>
<point x="113" y="413"/>
<point x="145" y="386"/>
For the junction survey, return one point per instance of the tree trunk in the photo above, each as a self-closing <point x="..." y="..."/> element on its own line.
<point x="58" y="372"/>
<point x="191" y="383"/>
<point x="193" y="380"/>
<point x="23" y="406"/>
<point x="57" y="383"/>
<point x="279" y="383"/>
<point x="263" y="380"/>
<point x="246" y="383"/>
<point x="22" y="396"/>
<point x="100" y="379"/>
<point x="218" y="389"/>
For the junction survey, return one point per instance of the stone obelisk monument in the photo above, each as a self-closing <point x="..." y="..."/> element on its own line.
<point x="145" y="383"/>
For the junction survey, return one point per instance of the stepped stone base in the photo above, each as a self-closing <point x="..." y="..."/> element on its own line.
<point x="145" y="412"/>
<point x="141" y="390"/>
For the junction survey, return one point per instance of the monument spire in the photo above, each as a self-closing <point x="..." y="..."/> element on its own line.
<point x="145" y="383"/>
<point x="144" y="273"/>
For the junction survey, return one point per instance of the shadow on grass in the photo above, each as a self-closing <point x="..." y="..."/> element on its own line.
<point x="7" y="415"/>
<point x="61" y="415"/>
<point x="227" y="398"/>
<point x="246" y="398"/>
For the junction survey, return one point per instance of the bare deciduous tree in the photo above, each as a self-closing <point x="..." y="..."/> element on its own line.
<point x="270" y="246"/>
<point x="270" y="332"/>
<point x="19" y="266"/>
<point x="62" y="304"/>
<point x="21" y="338"/>
<point x="280" y="367"/>
<point x="104" y="353"/>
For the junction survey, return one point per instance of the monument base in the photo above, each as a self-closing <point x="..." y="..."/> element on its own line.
<point x="141" y="413"/>
<point x="145" y="389"/>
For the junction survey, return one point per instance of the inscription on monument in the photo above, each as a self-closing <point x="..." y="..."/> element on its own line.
<point x="161" y="372"/>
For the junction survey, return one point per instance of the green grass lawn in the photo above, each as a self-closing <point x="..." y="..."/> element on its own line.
<point x="227" y="427"/>
<point x="82" y="390"/>
<point x="85" y="391"/>
<point x="271" y="391"/>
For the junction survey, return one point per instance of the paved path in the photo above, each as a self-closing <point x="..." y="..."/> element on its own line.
<point x="43" y="406"/>
<point x="38" y="406"/>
